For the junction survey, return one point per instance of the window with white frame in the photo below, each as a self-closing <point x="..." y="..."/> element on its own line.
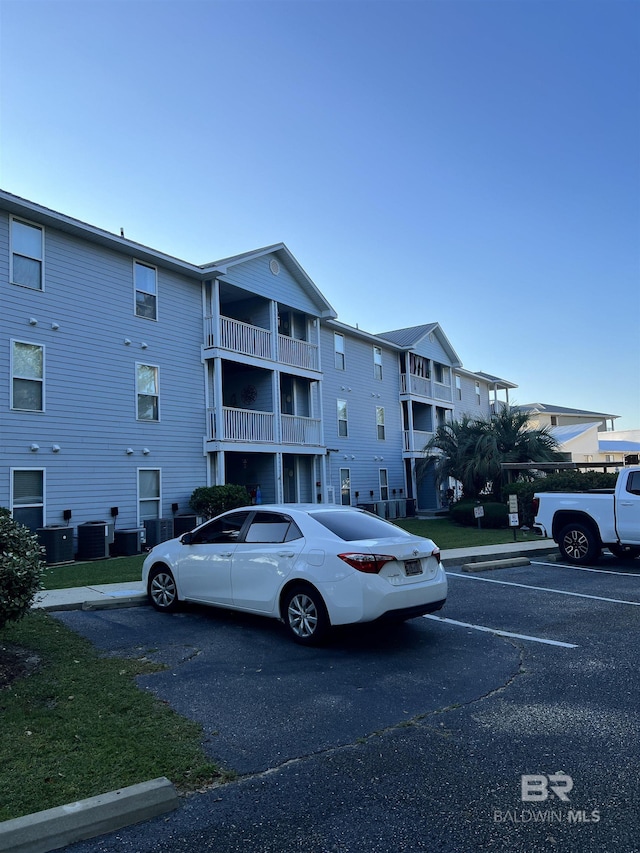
<point x="338" y="345"/>
<point x="345" y="486"/>
<point x="146" y="286"/>
<point x="148" y="493"/>
<point x="459" y="387"/>
<point x="380" y="422"/>
<point x="377" y="363"/>
<point x="442" y="374"/>
<point x="384" y="484"/>
<point x="27" y="497"/>
<point x="27" y="368"/>
<point x="343" y="430"/>
<point x="478" y="392"/>
<point x="148" y="408"/>
<point x="27" y="254"/>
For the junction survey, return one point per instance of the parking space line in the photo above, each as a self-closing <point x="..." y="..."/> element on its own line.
<point x="501" y="633"/>
<point x="585" y="569"/>
<point x="544" y="589"/>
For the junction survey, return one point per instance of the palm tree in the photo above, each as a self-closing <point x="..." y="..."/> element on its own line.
<point x="472" y="450"/>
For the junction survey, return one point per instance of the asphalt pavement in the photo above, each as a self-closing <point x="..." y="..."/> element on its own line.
<point x="74" y="822"/>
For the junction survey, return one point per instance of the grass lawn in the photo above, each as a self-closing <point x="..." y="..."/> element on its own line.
<point x="113" y="570"/>
<point x="78" y="725"/>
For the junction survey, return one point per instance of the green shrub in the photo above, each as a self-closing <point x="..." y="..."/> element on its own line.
<point x="20" y="568"/>
<point x="495" y="514"/>
<point x="565" y="481"/>
<point x="212" y="500"/>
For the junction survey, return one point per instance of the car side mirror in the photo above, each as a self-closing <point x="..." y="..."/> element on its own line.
<point x="186" y="538"/>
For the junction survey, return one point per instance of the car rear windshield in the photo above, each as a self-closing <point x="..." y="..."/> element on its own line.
<point x="352" y="526"/>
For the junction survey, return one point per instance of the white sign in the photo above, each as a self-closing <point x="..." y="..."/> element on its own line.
<point x="513" y="519"/>
<point x="513" y="503"/>
<point x="478" y="511"/>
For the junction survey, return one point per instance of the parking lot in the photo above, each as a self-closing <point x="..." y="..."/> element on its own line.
<point x="507" y="721"/>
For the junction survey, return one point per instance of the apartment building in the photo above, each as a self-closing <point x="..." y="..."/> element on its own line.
<point x="129" y="377"/>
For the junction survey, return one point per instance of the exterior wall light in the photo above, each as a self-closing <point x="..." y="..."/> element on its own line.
<point x="55" y="448"/>
<point x="129" y="451"/>
<point x="34" y="447"/>
<point x="146" y="451"/>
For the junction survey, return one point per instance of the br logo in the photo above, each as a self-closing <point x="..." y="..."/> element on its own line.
<point x="536" y="788"/>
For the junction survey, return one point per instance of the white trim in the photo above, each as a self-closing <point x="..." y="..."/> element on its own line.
<point x="43" y="471"/>
<point x="27" y="378"/>
<point x="40" y="228"/>
<point x="138" y="498"/>
<point x="136" y="290"/>
<point x="137" y="393"/>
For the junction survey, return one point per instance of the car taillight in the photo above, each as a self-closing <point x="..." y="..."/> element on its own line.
<point x="369" y="563"/>
<point x="436" y="553"/>
<point x="535" y="503"/>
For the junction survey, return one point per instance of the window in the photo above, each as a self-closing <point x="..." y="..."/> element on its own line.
<point x="338" y="344"/>
<point x="459" y="387"/>
<point x="384" y="485"/>
<point x="28" y="497"/>
<point x="147" y="389"/>
<point x="148" y="493"/>
<point x="221" y="530"/>
<point x="345" y="486"/>
<point x="146" y="290"/>
<point x="441" y="374"/>
<point x="26" y="254"/>
<point x="380" y="422"/>
<point x="271" y="527"/>
<point x="28" y="377"/>
<point x="478" y="392"/>
<point x="342" y="419"/>
<point x="359" y="525"/>
<point x="377" y="363"/>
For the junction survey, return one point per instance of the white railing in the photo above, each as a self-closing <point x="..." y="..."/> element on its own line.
<point x="416" y="440"/>
<point x="298" y="353"/>
<point x="237" y="336"/>
<point x="442" y="392"/>
<point x="247" y="425"/>
<point x="419" y="385"/>
<point x="298" y="430"/>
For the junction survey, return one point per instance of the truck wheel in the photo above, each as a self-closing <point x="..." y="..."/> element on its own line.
<point x="578" y="544"/>
<point x="624" y="552"/>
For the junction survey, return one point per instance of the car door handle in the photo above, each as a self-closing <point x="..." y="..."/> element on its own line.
<point x="286" y="554"/>
<point x="227" y="554"/>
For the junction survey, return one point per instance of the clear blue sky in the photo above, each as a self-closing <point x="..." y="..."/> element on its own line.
<point x="470" y="162"/>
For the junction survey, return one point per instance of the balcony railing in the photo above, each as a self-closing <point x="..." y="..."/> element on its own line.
<point x="247" y="425"/>
<point x="416" y="440"/>
<point x="298" y="430"/>
<point x="298" y="353"/>
<point x="419" y="385"/>
<point x="442" y="392"/>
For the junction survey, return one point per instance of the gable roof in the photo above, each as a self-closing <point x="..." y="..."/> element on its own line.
<point x="286" y="258"/>
<point x="410" y="337"/>
<point x="549" y="409"/>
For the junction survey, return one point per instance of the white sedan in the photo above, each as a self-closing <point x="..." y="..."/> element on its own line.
<point x="311" y="566"/>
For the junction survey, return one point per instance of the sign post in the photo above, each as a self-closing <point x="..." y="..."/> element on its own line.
<point x="514" y="520"/>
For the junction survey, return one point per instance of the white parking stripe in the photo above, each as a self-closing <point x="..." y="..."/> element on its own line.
<point x="544" y="589"/>
<point x="501" y="633"/>
<point x="585" y="569"/>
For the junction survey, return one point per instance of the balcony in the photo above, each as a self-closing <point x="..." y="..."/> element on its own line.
<point x="421" y="386"/>
<point x="298" y="430"/>
<point x="416" y="440"/>
<point x="246" y="425"/>
<point x="238" y="337"/>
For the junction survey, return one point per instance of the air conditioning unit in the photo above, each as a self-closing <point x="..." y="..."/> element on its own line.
<point x="158" y="530"/>
<point x="57" y="541"/>
<point x="126" y="543"/>
<point x="93" y="540"/>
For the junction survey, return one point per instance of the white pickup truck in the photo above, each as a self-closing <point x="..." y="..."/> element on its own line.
<point x="583" y="523"/>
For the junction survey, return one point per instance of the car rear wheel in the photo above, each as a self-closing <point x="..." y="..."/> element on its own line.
<point x="305" y="615"/>
<point x="579" y="544"/>
<point x="162" y="590"/>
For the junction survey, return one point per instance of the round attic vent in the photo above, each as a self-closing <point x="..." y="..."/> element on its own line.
<point x="274" y="266"/>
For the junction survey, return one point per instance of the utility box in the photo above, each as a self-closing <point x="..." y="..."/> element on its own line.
<point x="57" y="540"/>
<point x="93" y="540"/>
<point x="158" y="530"/>
<point x="127" y="543"/>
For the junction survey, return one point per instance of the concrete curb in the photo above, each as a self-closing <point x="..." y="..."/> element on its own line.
<point x="109" y="603"/>
<point x="496" y="564"/>
<point x="63" y="825"/>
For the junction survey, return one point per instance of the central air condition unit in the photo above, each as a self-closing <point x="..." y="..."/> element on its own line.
<point x="183" y="524"/>
<point x="57" y="540"/>
<point x="93" y="540"/>
<point x="127" y="543"/>
<point x="158" y="530"/>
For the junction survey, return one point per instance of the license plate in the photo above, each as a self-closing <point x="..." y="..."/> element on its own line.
<point x="413" y="567"/>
